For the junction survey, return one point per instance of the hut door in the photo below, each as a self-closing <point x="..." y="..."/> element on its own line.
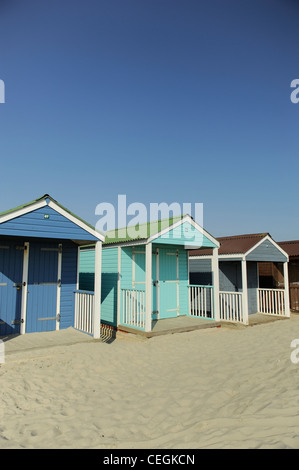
<point x="168" y="283"/>
<point x="43" y="286"/>
<point x="11" y="271"/>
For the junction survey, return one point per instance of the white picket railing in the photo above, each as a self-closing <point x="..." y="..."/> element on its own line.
<point x="133" y="307"/>
<point x="201" y="301"/>
<point x="271" y="301"/>
<point x="231" y="308"/>
<point x="84" y="302"/>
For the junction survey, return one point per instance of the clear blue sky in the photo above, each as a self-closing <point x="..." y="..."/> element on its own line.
<point x="161" y="100"/>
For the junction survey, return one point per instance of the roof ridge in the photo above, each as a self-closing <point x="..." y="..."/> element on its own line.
<point x="45" y="196"/>
<point x="178" y="217"/>
<point x="245" y="235"/>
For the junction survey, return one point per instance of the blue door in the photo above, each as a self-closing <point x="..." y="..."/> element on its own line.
<point x="42" y="288"/>
<point x="11" y="271"/>
<point x="168" y="283"/>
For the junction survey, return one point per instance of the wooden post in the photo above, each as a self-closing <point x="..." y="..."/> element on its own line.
<point x="97" y="291"/>
<point x="245" y="291"/>
<point x="286" y="290"/>
<point x="148" y="287"/>
<point x="215" y="270"/>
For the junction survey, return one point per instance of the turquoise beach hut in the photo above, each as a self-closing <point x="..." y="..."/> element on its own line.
<point x="145" y="274"/>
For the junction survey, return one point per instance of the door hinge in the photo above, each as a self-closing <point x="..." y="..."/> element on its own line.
<point x="17" y="284"/>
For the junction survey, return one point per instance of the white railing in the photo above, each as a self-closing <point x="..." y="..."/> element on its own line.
<point x="271" y="301"/>
<point x="201" y="301"/>
<point x="133" y="308"/>
<point x="230" y="306"/>
<point x="84" y="301"/>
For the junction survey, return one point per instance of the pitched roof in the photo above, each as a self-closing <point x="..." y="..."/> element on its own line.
<point x="290" y="247"/>
<point x="45" y="196"/>
<point x="150" y="230"/>
<point x="67" y="213"/>
<point x="139" y="231"/>
<point x="236" y="244"/>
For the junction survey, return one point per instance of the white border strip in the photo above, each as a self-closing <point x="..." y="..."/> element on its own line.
<point x="23" y="211"/>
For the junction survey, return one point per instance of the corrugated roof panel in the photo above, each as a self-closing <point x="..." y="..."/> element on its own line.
<point x="236" y="244"/>
<point x="290" y="247"/>
<point x="139" y="231"/>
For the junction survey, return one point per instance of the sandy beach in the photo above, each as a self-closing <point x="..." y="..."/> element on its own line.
<point x="217" y="388"/>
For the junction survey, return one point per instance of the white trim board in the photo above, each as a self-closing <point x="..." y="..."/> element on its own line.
<point x="237" y="256"/>
<point x="22" y="211"/>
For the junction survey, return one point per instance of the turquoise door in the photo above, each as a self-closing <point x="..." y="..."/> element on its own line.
<point x="168" y="283"/>
<point x="138" y="276"/>
<point x="165" y="302"/>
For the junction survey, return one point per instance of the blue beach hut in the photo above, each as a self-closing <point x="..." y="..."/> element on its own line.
<point x="240" y="294"/>
<point x="38" y="267"/>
